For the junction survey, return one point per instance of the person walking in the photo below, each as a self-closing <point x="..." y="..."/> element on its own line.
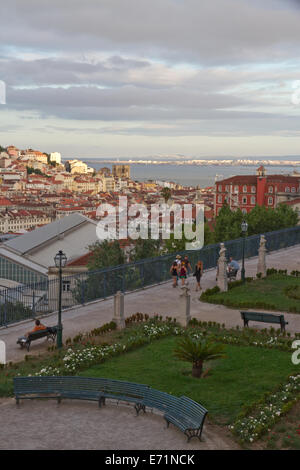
<point x="174" y="273"/>
<point x="183" y="273"/>
<point x="187" y="264"/>
<point x="198" y="274"/>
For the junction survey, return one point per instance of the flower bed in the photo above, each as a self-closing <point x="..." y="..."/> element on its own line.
<point x="79" y="358"/>
<point x="259" y="418"/>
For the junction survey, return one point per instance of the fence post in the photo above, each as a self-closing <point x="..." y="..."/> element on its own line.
<point x="123" y="280"/>
<point x="104" y="286"/>
<point x="5" y="311"/>
<point x="118" y="317"/>
<point x="33" y="303"/>
<point x="82" y="292"/>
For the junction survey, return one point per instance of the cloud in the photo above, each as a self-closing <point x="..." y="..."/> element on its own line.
<point x="161" y="68"/>
<point x="223" y="31"/>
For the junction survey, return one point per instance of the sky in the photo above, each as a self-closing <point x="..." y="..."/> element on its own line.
<point x="140" y="78"/>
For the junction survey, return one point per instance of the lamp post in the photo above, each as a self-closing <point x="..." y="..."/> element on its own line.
<point x="60" y="260"/>
<point x="244" y="227"/>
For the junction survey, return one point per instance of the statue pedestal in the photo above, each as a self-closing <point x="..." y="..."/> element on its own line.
<point x="118" y="317"/>
<point x="184" y="306"/>
<point x="261" y="265"/>
<point x="222" y="281"/>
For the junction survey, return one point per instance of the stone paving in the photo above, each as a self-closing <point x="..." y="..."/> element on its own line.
<point x="161" y="299"/>
<point x="42" y="424"/>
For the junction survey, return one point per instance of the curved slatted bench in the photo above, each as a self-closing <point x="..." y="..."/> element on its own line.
<point x="188" y="417"/>
<point x="81" y="388"/>
<point x="183" y="412"/>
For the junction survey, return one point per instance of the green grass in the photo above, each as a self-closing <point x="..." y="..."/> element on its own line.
<point x="268" y="293"/>
<point x="241" y="378"/>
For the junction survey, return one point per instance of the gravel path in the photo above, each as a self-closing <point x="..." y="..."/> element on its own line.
<point x="43" y="424"/>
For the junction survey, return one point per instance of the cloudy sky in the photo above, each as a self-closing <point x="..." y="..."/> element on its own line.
<point x="116" y="78"/>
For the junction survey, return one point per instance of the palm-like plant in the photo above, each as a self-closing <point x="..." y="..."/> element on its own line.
<point x="166" y="193"/>
<point x="198" y="351"/>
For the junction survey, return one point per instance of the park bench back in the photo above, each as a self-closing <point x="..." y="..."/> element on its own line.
<point x="160" y="400"/>
<point x="60" y="384"/>
<point x="122" y="389"/>
<point x="263" y="317"/>
<point x="192" y="409"/>
<point x="38" y="334"/>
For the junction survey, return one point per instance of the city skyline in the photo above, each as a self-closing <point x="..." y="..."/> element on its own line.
<point x="173" y="77"/>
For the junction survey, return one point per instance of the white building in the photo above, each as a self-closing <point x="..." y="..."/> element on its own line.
<point x="55" y="157"/>
<point x="76" y="166"/>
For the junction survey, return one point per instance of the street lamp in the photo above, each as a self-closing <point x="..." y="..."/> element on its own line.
<point x="60" y="260"/>
<point x="244" y="227"/>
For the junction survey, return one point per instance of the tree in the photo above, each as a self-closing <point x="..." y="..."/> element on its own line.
<point x="262" y="219"/>
<point x="105" y="254"/>
<point x="145" y="249"/>
<point x="166" y="194"/>
<point x="197" y="352"/>
<point x="228" y="224"/>
<point x="101" y="284"/>
<point x="208" y="235"/>
<point x="36" y="171"/>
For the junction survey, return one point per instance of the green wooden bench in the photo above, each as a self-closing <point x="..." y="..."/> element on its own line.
<point x="159" y="400"/>
<point x="264" y="317"/>
<point x="189" y="417"/>
<point x="124" y="391"/>
<point x="50" y="333"/>
<point x="81" y="388"/>
<point x="183" y="412"/>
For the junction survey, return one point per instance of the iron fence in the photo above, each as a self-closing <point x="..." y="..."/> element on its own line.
<point x="32" y="300"/>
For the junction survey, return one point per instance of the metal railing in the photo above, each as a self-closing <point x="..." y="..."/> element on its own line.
<point x="29" y="301"/>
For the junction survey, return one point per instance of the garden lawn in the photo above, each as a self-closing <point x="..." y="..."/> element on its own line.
<point x="268" y="293"/>
<point x="239" y="379"/>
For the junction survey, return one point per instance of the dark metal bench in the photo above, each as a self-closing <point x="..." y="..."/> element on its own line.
<point x="183" y="412"/>
<point x="81" y="388"/>
<point x="159" y="400"/>
<point x="124" y="391"/>
<point x="189" y="417"/>
<point x="264" y="317"/>
<point x="50" y="333"/>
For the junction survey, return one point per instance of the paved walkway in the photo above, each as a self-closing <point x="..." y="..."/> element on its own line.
<point x="161" y="299"/>
<point x="41" y="425"/>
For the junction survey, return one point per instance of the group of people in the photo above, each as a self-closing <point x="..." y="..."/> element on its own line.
<point x="182" y="267"/>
